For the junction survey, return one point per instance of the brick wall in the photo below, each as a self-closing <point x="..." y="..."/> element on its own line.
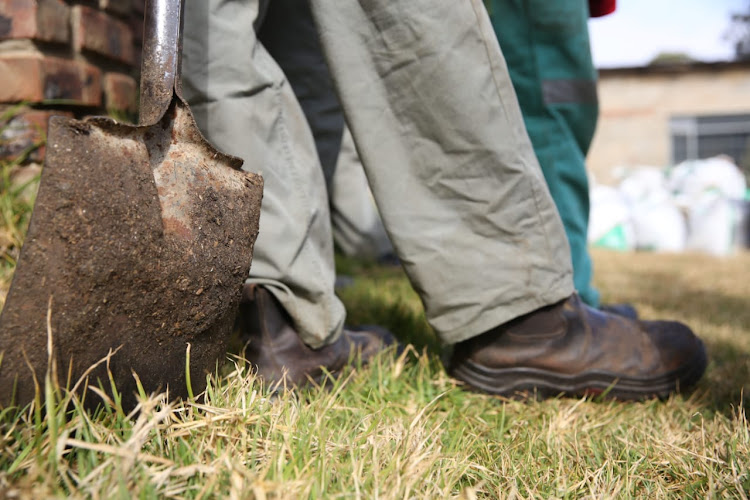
<point x="72" y="57"/>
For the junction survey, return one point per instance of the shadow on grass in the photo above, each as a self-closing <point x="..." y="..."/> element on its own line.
<point x="726" y="383"/>
<point x="367" y="305"/>
<point x="382" y="295"/>
<point x="686" y="300"/>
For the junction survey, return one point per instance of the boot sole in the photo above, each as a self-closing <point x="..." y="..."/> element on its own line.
<point x="529" y="382"/>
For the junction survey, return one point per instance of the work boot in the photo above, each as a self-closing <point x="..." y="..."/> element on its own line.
<point x="571" y="349"/>
<point x="278" y="354"/>
<point x="626" y="310"/>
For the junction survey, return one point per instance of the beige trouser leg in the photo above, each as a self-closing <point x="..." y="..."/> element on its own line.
<point x="288" y="33"/>
<point x="245" y="107"/>
<point x="357" y="227"/>
<point x="431" y="107"/>
<point x="426" y="93"/>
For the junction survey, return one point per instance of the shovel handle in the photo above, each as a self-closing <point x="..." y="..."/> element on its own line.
<point x="160" y="66"/>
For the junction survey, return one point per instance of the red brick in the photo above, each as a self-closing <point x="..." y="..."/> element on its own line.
<point x="35" y="78"/>
<point x="46" y="20"/>
<point x="101" y="33"/>
<point x="121" y="7"/>
<point x="120" y="92"/>
<point x="24" y="130"/>
<point x="22" y="75"/>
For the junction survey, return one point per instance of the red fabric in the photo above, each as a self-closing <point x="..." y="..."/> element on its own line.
<point x="598" y="8"/>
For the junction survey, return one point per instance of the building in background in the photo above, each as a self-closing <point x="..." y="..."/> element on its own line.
<point x="661" y="115"/>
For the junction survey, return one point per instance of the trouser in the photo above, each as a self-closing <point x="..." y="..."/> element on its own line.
<point x="289" y="35"/>
<point x="546" y="45"/>
<point x="427" y="96"/>
<point x="357" y="227"/>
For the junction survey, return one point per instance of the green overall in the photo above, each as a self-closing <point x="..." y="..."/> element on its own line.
<point x="546" y="46"/>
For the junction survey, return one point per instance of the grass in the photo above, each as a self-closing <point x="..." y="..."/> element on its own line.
<point x="401" y="428"/>
<point x="18" y="186"/>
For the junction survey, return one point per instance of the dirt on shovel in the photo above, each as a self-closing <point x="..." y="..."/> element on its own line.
<point x="140" y="240"/>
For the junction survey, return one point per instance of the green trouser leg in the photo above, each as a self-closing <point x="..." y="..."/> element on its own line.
<point x="546" y="46"/>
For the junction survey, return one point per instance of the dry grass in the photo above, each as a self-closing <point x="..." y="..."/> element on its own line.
<point x="402" y="428"/>
<point x="711" y="295"/>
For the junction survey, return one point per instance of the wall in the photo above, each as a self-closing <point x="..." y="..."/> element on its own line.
<point x="637" y="103"/>
<point x="73" y="58"/>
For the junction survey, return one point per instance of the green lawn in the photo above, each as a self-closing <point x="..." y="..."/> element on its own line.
<point x="402" y="428"/>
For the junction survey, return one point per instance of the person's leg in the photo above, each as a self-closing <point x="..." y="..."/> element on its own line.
<point x="357" y="228"/>
<point x="546" y="46"/>
<point x="289" y="35"/>
<point x="474" y="224"/>
<point x="244" y="105"/>
<point x="425" y="90"/>
<point x="426" y="94"/>
<point x="290" y="319"/>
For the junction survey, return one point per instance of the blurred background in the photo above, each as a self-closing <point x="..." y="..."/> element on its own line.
<point x="675" y="82"/>
<point x="671" y="156"/>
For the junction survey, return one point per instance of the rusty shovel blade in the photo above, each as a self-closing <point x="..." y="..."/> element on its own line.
<point x="140" y="240"/>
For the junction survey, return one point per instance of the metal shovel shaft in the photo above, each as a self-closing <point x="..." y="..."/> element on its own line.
<point x="160" y="66"/>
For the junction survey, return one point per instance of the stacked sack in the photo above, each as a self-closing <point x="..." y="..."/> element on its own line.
<point x="698" y="205"/>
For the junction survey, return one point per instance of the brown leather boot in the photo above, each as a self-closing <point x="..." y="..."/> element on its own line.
<point x="273" y="346"/>
<point x="571" y="349"/>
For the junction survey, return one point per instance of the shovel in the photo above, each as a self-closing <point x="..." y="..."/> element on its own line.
<point x="139" y="242"/>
